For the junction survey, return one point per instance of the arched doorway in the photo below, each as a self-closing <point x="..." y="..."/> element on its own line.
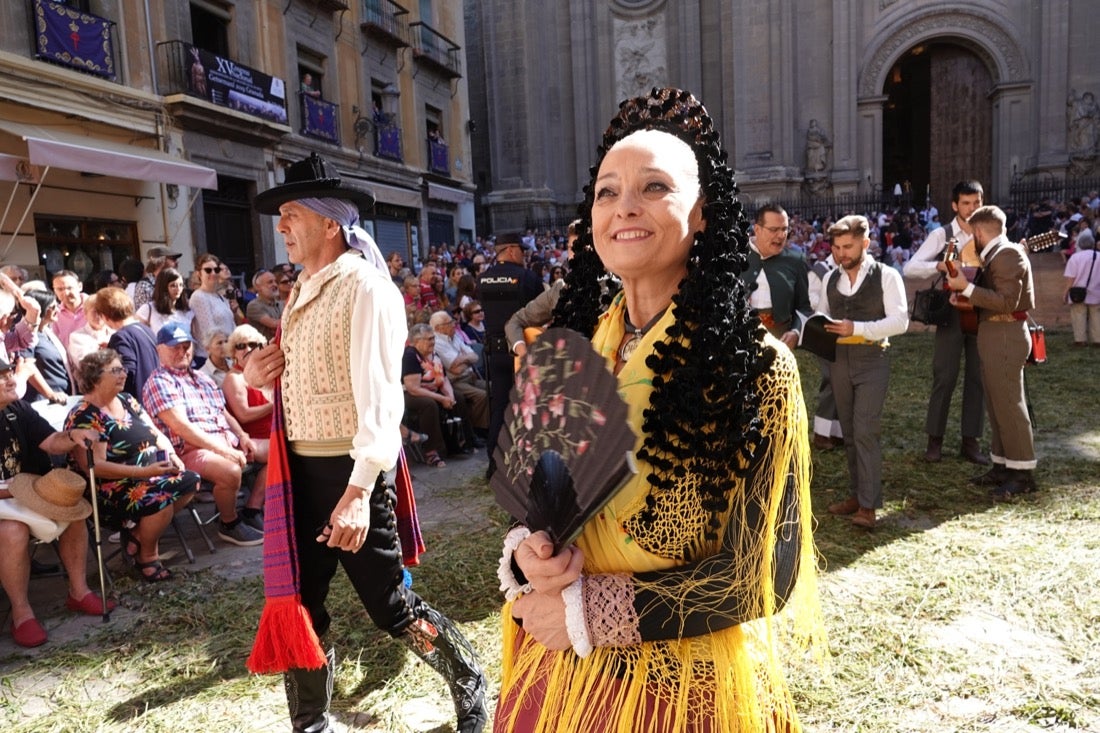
<point x="937" y="124"/>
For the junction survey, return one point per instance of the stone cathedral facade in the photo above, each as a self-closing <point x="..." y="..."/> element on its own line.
<point x="813" y="98"/>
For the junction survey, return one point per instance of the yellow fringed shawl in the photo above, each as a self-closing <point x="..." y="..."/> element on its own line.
<point x="730" y="680"/>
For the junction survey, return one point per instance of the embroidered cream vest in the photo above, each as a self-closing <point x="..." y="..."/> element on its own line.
<point x="317" y="395"/>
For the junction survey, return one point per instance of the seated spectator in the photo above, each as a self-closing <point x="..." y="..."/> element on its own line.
<point x="461" y="364"/>
<point x="169" y="302"/>
<point x="428" y="392"/>
<point x="265" y="310"/>
<point x="473" y="317"/>
<point x="467" y="290"/>
<point x="285" y="281"/>
<point x="141" y="480"/>
<point x="92" y="336"/>
<point x="39" y="502"/>
<point x="133" y="340"/>
<point x="439" y="291"/>
<point x="19" y="329"/>
<point x="219" y="362"/>
<point x="416" y="311"/>
<point x="252" y="407"/>
<point x="15" y="273"/>
<point x="51" y="380"/>
<point x="189" y="408"/>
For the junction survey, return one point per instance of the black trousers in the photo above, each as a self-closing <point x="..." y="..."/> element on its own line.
<point x="502" y="375"/>
<point x="376" y="571"/>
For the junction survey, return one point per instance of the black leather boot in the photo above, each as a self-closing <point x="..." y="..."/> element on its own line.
<point x="971" y="450"/>
<point x="437" y="641"/>
<point x="1017" y="482"/>
<point x="934" y="452"/>
<point x="993" y="477"/>
<point x="308" y="694"/>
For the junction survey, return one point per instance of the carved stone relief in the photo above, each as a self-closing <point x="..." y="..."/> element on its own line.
<point x="641" y="55"/>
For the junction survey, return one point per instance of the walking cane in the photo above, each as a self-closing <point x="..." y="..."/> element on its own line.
<point x="98" y="541"/>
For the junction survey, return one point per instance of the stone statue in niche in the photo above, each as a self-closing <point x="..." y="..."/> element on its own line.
<point x="818" y="146"/>
<point x="1082" y="124"/>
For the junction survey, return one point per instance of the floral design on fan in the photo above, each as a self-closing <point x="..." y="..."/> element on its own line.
<point x="561" y="422"/>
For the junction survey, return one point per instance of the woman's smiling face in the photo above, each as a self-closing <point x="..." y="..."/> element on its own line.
<point x="647" y="205"/>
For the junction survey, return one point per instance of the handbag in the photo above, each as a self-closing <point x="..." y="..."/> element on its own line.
<point x="1076" y="294"/>
<point x="932" y="305"/>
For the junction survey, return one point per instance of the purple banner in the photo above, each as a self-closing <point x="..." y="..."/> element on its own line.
<point x="229" y="84"/>
<point x="319" y="119"/>
<point x="387" y="141"/>
<point x="440" y="162"/>
<point x="72" y="38"/>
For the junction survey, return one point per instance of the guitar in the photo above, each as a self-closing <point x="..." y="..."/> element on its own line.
<point x="1043" y="242"/>
<point x="968" y="317"/>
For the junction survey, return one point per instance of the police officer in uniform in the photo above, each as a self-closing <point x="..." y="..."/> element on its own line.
<point x="505" y="287"/>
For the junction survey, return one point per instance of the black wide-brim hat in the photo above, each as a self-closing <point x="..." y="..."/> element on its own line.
<point x="313" y="177"/>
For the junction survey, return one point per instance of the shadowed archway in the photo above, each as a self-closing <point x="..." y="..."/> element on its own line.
<point x="937" y="125"/>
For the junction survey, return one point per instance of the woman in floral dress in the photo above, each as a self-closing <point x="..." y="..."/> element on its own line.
<point x="141" y="481"/>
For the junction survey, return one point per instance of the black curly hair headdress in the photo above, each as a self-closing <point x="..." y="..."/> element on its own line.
<point x="703" y="414"/>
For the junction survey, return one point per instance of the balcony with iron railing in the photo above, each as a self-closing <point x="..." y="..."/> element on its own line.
<point x="433" y="49"/>
<point x="215" y="94"/>
<point x="385" y="21"/>
<point x="67" y="37"/>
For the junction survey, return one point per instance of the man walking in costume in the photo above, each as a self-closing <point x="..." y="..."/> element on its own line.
<point x="1003" y="292"/>
<point x="336" y="366"/>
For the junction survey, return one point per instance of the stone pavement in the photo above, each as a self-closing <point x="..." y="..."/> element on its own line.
<point x="438" y="501"/>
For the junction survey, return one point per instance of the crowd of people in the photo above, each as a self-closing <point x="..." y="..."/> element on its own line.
<point x="178" y="390"/>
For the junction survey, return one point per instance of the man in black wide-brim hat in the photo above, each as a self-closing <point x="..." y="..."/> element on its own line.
<point x="337" y="371"/>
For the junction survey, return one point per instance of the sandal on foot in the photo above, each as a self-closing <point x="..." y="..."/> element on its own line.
<point x="159" y="574"/>
<point x="433" y="459"/>
<point x="413" y="438"/>
<point x="127" y="539"/>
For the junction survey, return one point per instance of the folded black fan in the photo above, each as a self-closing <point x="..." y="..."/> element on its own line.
<point x="565" y="446"/>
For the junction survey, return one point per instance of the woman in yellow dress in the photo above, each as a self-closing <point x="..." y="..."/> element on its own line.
<point x="673" y="610"/>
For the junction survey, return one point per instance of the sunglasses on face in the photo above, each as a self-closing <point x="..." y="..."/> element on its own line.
<point x="251" y="345"/>
<point x="475" y="312"/>
<point x="211" y="270"/>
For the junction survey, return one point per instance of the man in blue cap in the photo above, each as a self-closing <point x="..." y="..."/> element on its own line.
<point x="336" y="368"/>
<point x="189" y="408"/>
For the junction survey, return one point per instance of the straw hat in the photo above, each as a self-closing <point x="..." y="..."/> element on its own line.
<point x="59" y="495"/>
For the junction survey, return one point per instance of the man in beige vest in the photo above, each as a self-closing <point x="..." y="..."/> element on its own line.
<point x="337" y="371"/>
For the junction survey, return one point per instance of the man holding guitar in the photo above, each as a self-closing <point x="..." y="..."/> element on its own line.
<point x="1002" y="293"/>
<point x="951" y="342"/>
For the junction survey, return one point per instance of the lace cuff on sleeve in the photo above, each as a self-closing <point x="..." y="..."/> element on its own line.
<point x="510" y="585"/>
<point x="609" y="610"/>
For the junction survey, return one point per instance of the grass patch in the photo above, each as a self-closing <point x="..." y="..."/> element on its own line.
<point x="957" y="614"/>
